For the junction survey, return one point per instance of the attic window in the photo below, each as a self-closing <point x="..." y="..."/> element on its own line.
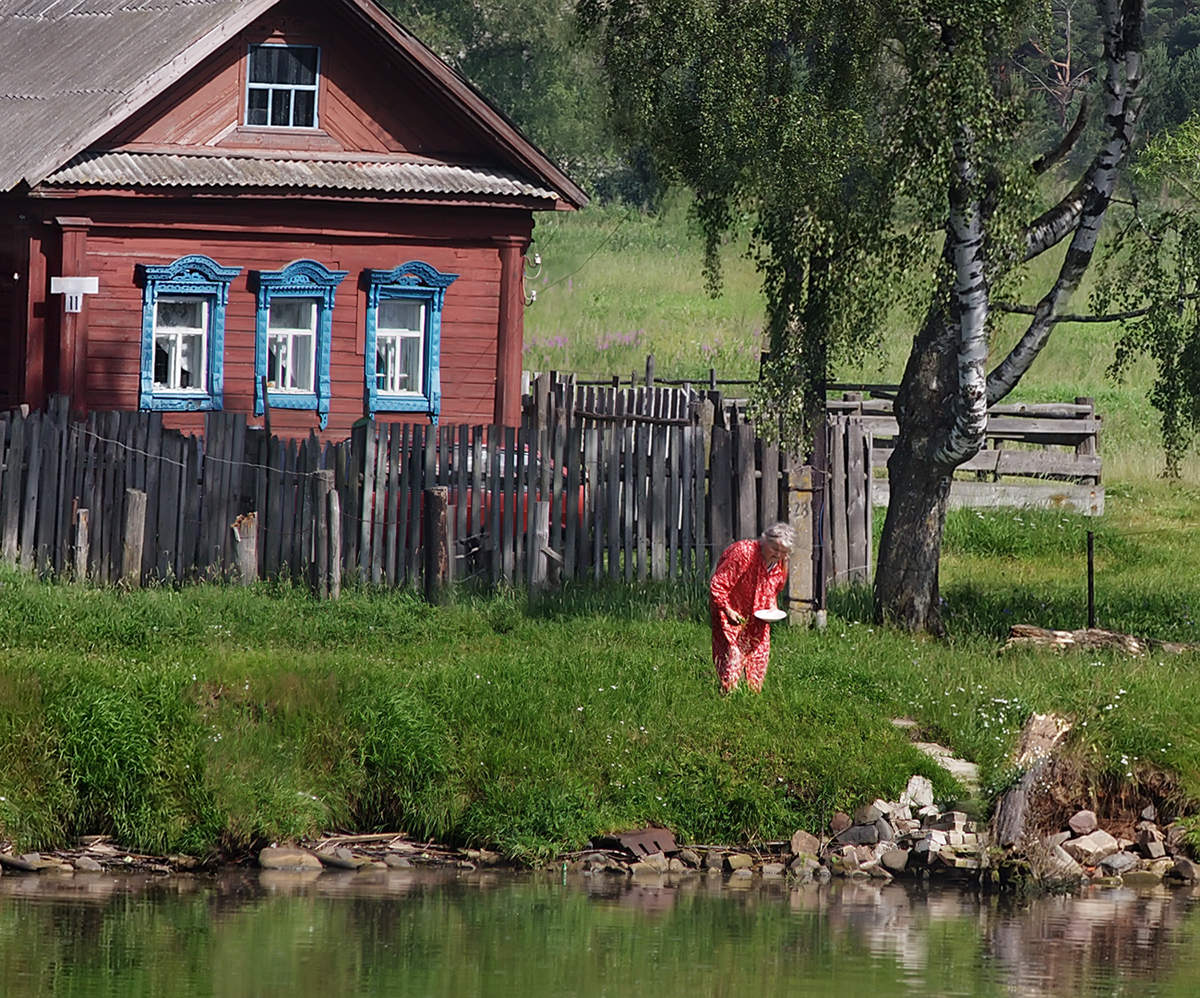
<point x="281" y="86"/>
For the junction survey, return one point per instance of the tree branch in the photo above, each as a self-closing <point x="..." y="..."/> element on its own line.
<point x="1122" y="21"/>
<point x="1059" y="152"/>
<point x="1013" y="308"/>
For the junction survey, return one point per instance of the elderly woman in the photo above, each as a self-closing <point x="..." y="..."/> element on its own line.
<point x="749" y="576"/>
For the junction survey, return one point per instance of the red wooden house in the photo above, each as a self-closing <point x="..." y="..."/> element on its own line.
<point x="236" y="204"/>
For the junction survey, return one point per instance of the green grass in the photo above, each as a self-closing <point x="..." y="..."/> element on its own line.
<point x="617" y="285"/>
<point x="215" y="719"/>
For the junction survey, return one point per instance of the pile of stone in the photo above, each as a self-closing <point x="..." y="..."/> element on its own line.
<point x="1085" y="851"/>
<point x="909" y="837"/>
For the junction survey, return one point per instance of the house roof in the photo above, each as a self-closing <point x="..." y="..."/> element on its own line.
<point x="72" y="70"/>
<point x="138" y="169"/>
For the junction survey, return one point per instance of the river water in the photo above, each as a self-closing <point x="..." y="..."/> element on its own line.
<point x="401" y="933"/>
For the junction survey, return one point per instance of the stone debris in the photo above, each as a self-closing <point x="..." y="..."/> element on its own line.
<point x="1083" y="822"/>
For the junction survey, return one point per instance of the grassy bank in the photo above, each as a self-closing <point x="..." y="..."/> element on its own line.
<point x="218" y="719"/>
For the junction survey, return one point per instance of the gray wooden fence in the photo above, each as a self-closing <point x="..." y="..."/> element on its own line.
<point x="625" y="495"/>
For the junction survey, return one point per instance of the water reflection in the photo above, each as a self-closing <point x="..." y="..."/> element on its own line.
<point x="421" y="932"/>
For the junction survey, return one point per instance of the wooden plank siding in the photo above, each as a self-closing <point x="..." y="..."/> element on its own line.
<point x="468" y="337"/>
<point x="355" y="111"/>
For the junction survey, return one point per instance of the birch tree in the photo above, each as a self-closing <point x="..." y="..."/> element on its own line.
<point x="873" y="145"/>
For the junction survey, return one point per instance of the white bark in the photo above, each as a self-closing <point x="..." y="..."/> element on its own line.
<point x="970" y="312"/>
<point x="1123" y="77"/>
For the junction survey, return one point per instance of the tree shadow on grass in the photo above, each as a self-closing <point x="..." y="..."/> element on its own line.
<point x="973" y="610"/>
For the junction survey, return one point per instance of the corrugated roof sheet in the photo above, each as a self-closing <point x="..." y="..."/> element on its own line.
<point x="135" y="169"/>
<point x="70" y="70"/>
<point x="66" y="65"/>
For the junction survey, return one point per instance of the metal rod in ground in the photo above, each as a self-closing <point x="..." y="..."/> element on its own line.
<point x="1091" y="538"/>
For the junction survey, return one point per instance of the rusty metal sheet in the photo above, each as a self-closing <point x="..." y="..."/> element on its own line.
<point x="645" y="842"/>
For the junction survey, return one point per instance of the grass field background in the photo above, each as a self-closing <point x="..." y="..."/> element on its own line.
<point x="616" y="284"/>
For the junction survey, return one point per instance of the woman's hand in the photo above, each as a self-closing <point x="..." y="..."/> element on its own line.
<point x="733" y="616"/>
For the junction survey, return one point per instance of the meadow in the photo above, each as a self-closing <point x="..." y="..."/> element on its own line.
<point x="616" y="284"/>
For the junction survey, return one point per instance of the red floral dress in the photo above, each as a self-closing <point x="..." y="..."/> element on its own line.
<point x="744" y="583"/>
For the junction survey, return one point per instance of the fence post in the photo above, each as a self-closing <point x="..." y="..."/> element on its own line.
<point x="539" y="543"/>
<point x="245" y="547"/>
<point x="322" y="488"/>
<point x="801" y="596"/>
<point x="80" y="551"/>
<point x="135" y="532"/>
<point x="334" y="503"/>
<point x="437" y="555"/>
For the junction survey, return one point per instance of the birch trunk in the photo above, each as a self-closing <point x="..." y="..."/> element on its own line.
<point x="906" y="576"/>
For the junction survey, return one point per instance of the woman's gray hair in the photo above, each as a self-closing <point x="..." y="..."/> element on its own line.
<point x="781" y="534"/>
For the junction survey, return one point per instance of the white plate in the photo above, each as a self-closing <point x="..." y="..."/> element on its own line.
<point x="772" y="615"/>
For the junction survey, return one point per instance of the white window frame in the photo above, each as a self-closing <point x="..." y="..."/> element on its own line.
<point x="177" y="333"/>
<point x="397" y="335"/>
<point x="274" y="89"/>
<point x="290" y="335"/>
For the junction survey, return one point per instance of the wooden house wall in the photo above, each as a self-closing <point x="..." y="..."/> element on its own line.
<point x="454" y="241"/>
<point x="368" y="101"/>
<point x="11" y="328"/>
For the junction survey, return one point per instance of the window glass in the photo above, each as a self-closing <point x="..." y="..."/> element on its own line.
<point x="291" y="341"/>
<point x="282" y="86"/>
<point x="304" y="107"/>
<point x="257" y="109"/>
<point x="399" y="353"/>
<point x="180" y="328"/>
<point x="400" y="313"/>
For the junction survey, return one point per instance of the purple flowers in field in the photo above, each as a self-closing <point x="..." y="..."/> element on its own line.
<point x="633" y="338"/>
<point x="556" y="342"/>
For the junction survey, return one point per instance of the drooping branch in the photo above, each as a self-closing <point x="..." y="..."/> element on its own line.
<point x="1056" y="155"/>
<point x="1123" y="77"/>
<point x="1013" y="308"/>
<point x="969" y="310"/>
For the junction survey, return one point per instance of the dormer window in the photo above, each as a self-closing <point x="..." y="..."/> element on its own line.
<point x="281" y="86"/>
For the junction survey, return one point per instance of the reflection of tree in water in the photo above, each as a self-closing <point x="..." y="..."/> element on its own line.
<point x="1047" y="946"/>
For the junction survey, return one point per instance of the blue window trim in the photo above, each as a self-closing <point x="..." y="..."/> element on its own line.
<point x="423" y="283"/>
<point x="200" y="276"/>
<point x="299" y="279"/>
